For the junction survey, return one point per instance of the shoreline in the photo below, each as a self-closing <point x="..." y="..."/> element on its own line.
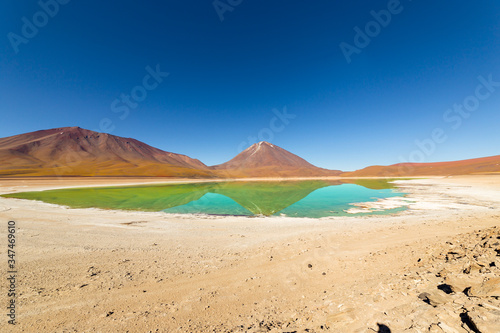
<point x="374" y="206"/>
<point x="98" y="270"/>
<point x="52" y="183"/>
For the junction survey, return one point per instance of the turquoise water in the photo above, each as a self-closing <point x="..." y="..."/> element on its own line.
<point x="331" y="200"/>
<point x="315" y="198"/>
<point x="213" y="204"/>
<point x="335" y="200"/>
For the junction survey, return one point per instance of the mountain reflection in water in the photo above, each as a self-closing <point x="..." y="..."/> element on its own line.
<point x="311" y="198"/>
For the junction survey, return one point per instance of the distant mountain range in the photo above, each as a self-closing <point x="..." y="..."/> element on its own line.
<point x="74" y="151"/>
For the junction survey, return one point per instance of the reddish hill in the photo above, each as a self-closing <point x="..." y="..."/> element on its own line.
<point x="267" y="160"/>
<point x="80" y="152"/>
<point x="463" y="167"/>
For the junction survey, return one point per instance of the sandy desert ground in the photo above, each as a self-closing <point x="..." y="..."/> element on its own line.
<point x="432" y="268"/>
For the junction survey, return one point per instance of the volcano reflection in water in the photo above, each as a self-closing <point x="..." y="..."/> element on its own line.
<point x="312" y="198"/>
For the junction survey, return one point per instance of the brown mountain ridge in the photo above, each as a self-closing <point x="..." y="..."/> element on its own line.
<point x="74" y="151"/>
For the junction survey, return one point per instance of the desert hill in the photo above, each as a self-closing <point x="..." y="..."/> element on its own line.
<point x="74" y="151"/>
<point x="463" y="167"/>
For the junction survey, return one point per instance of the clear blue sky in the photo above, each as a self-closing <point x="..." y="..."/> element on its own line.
<point x="226" y="77"/>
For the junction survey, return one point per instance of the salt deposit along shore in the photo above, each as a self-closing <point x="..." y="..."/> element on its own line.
<point x="431" y="268"/>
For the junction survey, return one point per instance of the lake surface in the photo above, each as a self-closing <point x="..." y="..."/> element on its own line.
<point x="314" y="198"/>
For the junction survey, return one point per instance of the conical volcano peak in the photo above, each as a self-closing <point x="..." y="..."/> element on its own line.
<point x="262" y="143"/>
<point x="265" y="159"/>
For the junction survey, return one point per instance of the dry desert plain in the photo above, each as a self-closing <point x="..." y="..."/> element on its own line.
<point x="431" y="268"/>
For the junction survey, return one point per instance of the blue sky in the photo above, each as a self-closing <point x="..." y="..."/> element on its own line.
<point x="225" y="77"/>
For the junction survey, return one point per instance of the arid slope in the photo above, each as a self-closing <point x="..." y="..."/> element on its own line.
<point x="74" y="151"/>
<point x="485" y="165"/>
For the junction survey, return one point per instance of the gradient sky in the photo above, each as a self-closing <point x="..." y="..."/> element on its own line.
<point x="226" y="76"/>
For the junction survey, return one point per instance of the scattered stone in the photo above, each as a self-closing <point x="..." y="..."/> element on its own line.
<point x="443" y="273"/>
<point x="485" y="320"/>
<point x="468" y="322"/>
<point x="446" y="328"/>
<point x="346" y="315"/>
<point x="435" y="298"/>
<point x="488" y="288"/>
<point x="490" y="306"/>
<point x="446" y="288"/>
<point x="434" y="328"/>
<point x="457" y="284"/>
<point x="93" y="271"/>
<point x="472" y="268"/>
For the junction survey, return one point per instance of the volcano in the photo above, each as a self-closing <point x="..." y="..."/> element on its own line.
<point x="74" y="151"/>
<point x="264" y="159"/>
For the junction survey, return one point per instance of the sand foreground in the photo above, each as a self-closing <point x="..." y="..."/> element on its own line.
<point x="91" y="270"/>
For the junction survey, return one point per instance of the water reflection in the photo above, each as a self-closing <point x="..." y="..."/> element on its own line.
<point x="312" y="198"/>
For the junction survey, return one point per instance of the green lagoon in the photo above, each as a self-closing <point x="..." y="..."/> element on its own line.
<point x="314" y="198"/>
